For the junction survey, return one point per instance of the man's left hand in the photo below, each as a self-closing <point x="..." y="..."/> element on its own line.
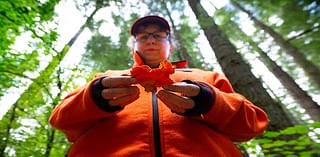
<point x="177" y="96"/>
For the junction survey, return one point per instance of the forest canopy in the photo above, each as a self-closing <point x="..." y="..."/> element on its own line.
<point x="269" y="50"/>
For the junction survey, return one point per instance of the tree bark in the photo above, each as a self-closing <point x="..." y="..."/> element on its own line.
<point x="238" y="71"/>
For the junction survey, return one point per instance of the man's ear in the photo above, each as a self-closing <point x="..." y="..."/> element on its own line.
<point x="132" y="44"/>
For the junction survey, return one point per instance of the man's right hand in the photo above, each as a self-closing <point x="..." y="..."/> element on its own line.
<point x="120" y="90"/>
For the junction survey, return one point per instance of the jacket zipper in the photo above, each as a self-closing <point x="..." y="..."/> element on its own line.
<point x="156" y="127"/>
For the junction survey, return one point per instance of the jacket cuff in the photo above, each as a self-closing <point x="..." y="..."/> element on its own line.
<point x="102" y="103"/>
<point x="203" y="101"/>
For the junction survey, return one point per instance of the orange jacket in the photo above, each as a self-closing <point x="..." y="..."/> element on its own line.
<point x="130" y="132"/>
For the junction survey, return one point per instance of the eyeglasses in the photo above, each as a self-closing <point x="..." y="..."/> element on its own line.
<point x="158" y="36"/>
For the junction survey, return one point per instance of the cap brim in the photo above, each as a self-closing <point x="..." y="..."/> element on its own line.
<point x="147" y="20"/>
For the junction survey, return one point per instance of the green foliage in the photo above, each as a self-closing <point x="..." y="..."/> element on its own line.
<point x="14" y="65"/>
<point x="299" y="140"/>
<point x="188" y="37"/>
<point x="30" y="132"/>
<point x="18" y="17"/>
<point x="104" y="54"/>
<point x="29" y="19"/>
<point x="21" y="15"/>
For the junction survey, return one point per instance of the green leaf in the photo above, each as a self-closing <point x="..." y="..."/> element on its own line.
<point x="271" y="134"/>
<point x="280" y="143"/>
<point x="297" y="129"/>
<point x="316" y="125"/>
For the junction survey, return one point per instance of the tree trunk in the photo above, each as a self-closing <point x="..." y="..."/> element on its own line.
<point x="311" y="69"/>
<point x="298" y="94"/>
<point x="5" y="136"/>
<point x="43" y="75"/>
<point x="238" y="71"/>
<point x="50" y="143"/>
<point x="55" y="60"/>
<point x="50" y="131"/>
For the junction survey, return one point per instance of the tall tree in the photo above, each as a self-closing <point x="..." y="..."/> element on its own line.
<point x="232" y="29"/>
<point x="50" y="131"/>
<point x="295" y="20"/>
<point x="54" y="62"/>
<point x="310" y="68"/>
<point x="17" y="18"/>
<point x="238" y="71"/>
<point x="42" y="80"/>
<point x="102" y="53"/>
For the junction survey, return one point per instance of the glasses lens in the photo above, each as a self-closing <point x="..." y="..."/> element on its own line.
<point x="158" y="36"/>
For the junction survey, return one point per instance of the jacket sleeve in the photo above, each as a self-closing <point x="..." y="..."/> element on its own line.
<point x="232" y="114"/>
<point x="77" y="112"/>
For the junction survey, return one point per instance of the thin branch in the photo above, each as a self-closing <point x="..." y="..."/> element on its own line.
<point x="18" y="74"/>
<point x="213" y="5"/>
<point x="3" y="14"/>
<point x="313" y="29"/>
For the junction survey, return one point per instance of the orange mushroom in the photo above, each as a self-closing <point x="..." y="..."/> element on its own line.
<point x="152" y="78"/>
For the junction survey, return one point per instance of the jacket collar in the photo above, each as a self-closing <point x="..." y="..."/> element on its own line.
<point x="138" y="61"/>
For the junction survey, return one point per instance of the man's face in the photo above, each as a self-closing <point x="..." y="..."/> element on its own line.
<point x="153" y="45"/>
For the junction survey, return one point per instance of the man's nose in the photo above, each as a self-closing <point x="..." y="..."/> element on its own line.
<point x="151" y="38"/>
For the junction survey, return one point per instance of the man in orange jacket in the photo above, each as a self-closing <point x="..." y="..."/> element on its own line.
<point x="118" y="113"/>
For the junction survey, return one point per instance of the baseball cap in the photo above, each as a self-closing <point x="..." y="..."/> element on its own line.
<point x="147" y="20"/>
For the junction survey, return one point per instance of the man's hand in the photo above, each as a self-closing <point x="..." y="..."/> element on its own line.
<point x="120" y="90"/>
<point x="176" y="96"/>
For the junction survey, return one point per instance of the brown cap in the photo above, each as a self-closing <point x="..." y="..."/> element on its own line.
<point x="147" y="20"/>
